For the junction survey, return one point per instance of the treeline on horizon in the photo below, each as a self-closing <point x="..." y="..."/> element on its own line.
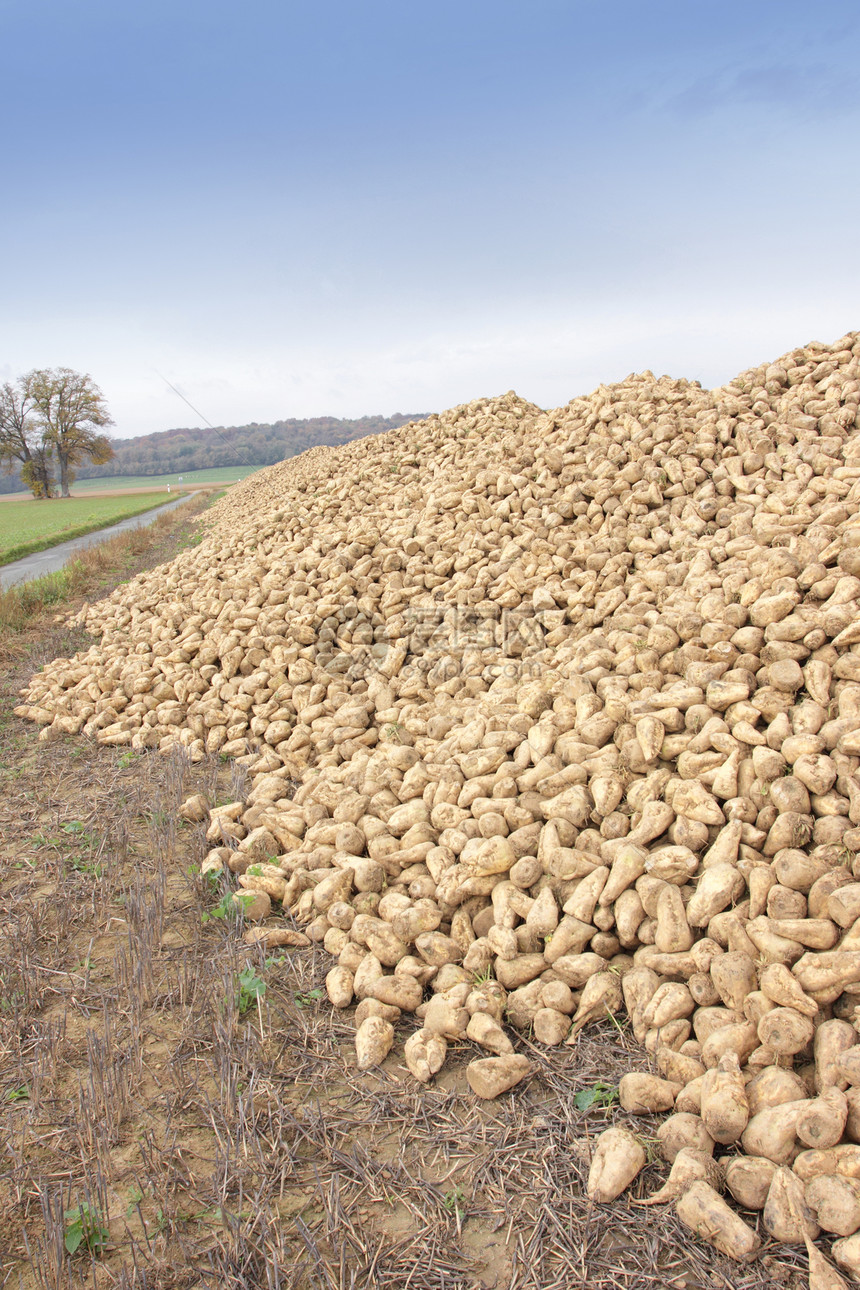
<point x="173" y="452"/>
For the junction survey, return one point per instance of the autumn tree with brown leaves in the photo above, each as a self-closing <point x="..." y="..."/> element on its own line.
<point x="23" y="438"/>
<point x="71" y="410"/>
<point x="52" y="412"/>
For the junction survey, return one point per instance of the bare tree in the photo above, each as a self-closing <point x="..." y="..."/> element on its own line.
<point x="23" y="438"/>
<point x="71" y="410"/>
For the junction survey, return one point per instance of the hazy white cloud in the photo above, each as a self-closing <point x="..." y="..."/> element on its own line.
<point x="791" y="89"/>
<point x="548" y="361"/>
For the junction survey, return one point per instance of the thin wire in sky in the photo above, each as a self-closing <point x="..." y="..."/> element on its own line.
<point x="198" y="413"/>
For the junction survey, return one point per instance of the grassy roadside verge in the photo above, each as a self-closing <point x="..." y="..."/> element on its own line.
<point x="77" y="517"/>
<point x="99" y="566"/>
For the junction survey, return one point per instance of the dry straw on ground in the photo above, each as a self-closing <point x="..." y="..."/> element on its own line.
<point x="547" y="716"/>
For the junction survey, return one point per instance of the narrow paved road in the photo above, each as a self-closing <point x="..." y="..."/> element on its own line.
<point x="49" y="561"/>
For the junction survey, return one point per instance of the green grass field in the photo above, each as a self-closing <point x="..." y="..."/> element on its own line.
<point x="27" y="525"/>
<point x="190" y="479"/>
<point x="118" y="483"/>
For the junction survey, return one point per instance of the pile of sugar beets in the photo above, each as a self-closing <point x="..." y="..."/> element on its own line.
<point x="547" y="715"/>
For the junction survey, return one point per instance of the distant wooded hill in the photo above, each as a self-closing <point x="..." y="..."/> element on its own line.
<point x="172" y="452"/>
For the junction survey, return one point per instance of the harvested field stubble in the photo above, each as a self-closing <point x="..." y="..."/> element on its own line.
<point x="546" y="716"/>
<point x="216" y="1155"/>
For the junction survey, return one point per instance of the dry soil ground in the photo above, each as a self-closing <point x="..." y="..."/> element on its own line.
<point x="196" y="1142"/>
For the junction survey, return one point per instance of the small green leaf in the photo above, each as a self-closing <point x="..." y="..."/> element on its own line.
<point x="74" y="1237"/>
<point x="598" y="1094"/>
<point x="251" y="988"/>
<point x="308" y="997"/>
<point x="83" y="1226"/>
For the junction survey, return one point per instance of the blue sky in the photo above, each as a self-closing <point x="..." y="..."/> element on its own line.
<point x="353" y="206"/>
